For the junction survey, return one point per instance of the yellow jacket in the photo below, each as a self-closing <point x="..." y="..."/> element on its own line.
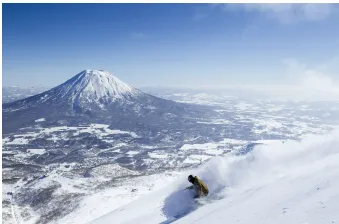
<point x="199" y="186"/>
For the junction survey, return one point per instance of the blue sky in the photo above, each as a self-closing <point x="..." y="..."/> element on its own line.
<point x="168" y="44"/>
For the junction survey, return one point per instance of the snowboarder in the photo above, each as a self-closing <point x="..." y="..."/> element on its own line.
<point x="198" y="185"/>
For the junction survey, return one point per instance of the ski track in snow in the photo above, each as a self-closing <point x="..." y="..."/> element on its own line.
<point x="13" y="212"/>
<point x="282" y="182"/>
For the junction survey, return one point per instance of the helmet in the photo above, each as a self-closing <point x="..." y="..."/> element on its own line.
<point x="190" y="178"/>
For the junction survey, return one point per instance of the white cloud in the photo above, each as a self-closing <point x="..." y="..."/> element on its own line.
<point x="313" y="81"/>
<point x="298" y="81"/>
<point x="286" y="13"/>
<point x="301" y="82"/>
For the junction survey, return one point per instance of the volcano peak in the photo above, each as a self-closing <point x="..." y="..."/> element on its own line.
<point x="97" y="84"/>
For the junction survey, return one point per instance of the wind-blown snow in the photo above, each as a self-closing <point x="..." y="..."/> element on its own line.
<point x="282" y="182"/>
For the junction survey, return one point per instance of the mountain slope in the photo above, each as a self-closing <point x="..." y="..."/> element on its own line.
<point x="291" y="182"/>
<point x="88" y="88"/>
<point x="95" y="96"/>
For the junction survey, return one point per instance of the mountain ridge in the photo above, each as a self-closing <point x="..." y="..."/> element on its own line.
<point x="100" y="97"/>
<point x="92" y="86"/>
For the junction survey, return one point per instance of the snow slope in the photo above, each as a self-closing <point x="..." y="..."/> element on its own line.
<point x="290" y="182"/>
<point x="96" y="84"/>
<point x="89" y="87"/>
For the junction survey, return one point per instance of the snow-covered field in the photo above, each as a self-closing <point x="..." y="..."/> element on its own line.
<point x="99" y="130"/>
<point x="91" y="173"/>
<point x="280" y="182"/>
<point x="113" y="199"/>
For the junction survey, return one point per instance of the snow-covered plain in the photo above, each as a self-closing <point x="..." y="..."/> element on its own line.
<point x="100" y="130"/>
<point x="280" y="182"/>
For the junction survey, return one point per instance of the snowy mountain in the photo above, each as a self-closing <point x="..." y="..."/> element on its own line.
<point x="95" y="96"/>
<point x="87" y="87"/>
<point x="96" y="85"/>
